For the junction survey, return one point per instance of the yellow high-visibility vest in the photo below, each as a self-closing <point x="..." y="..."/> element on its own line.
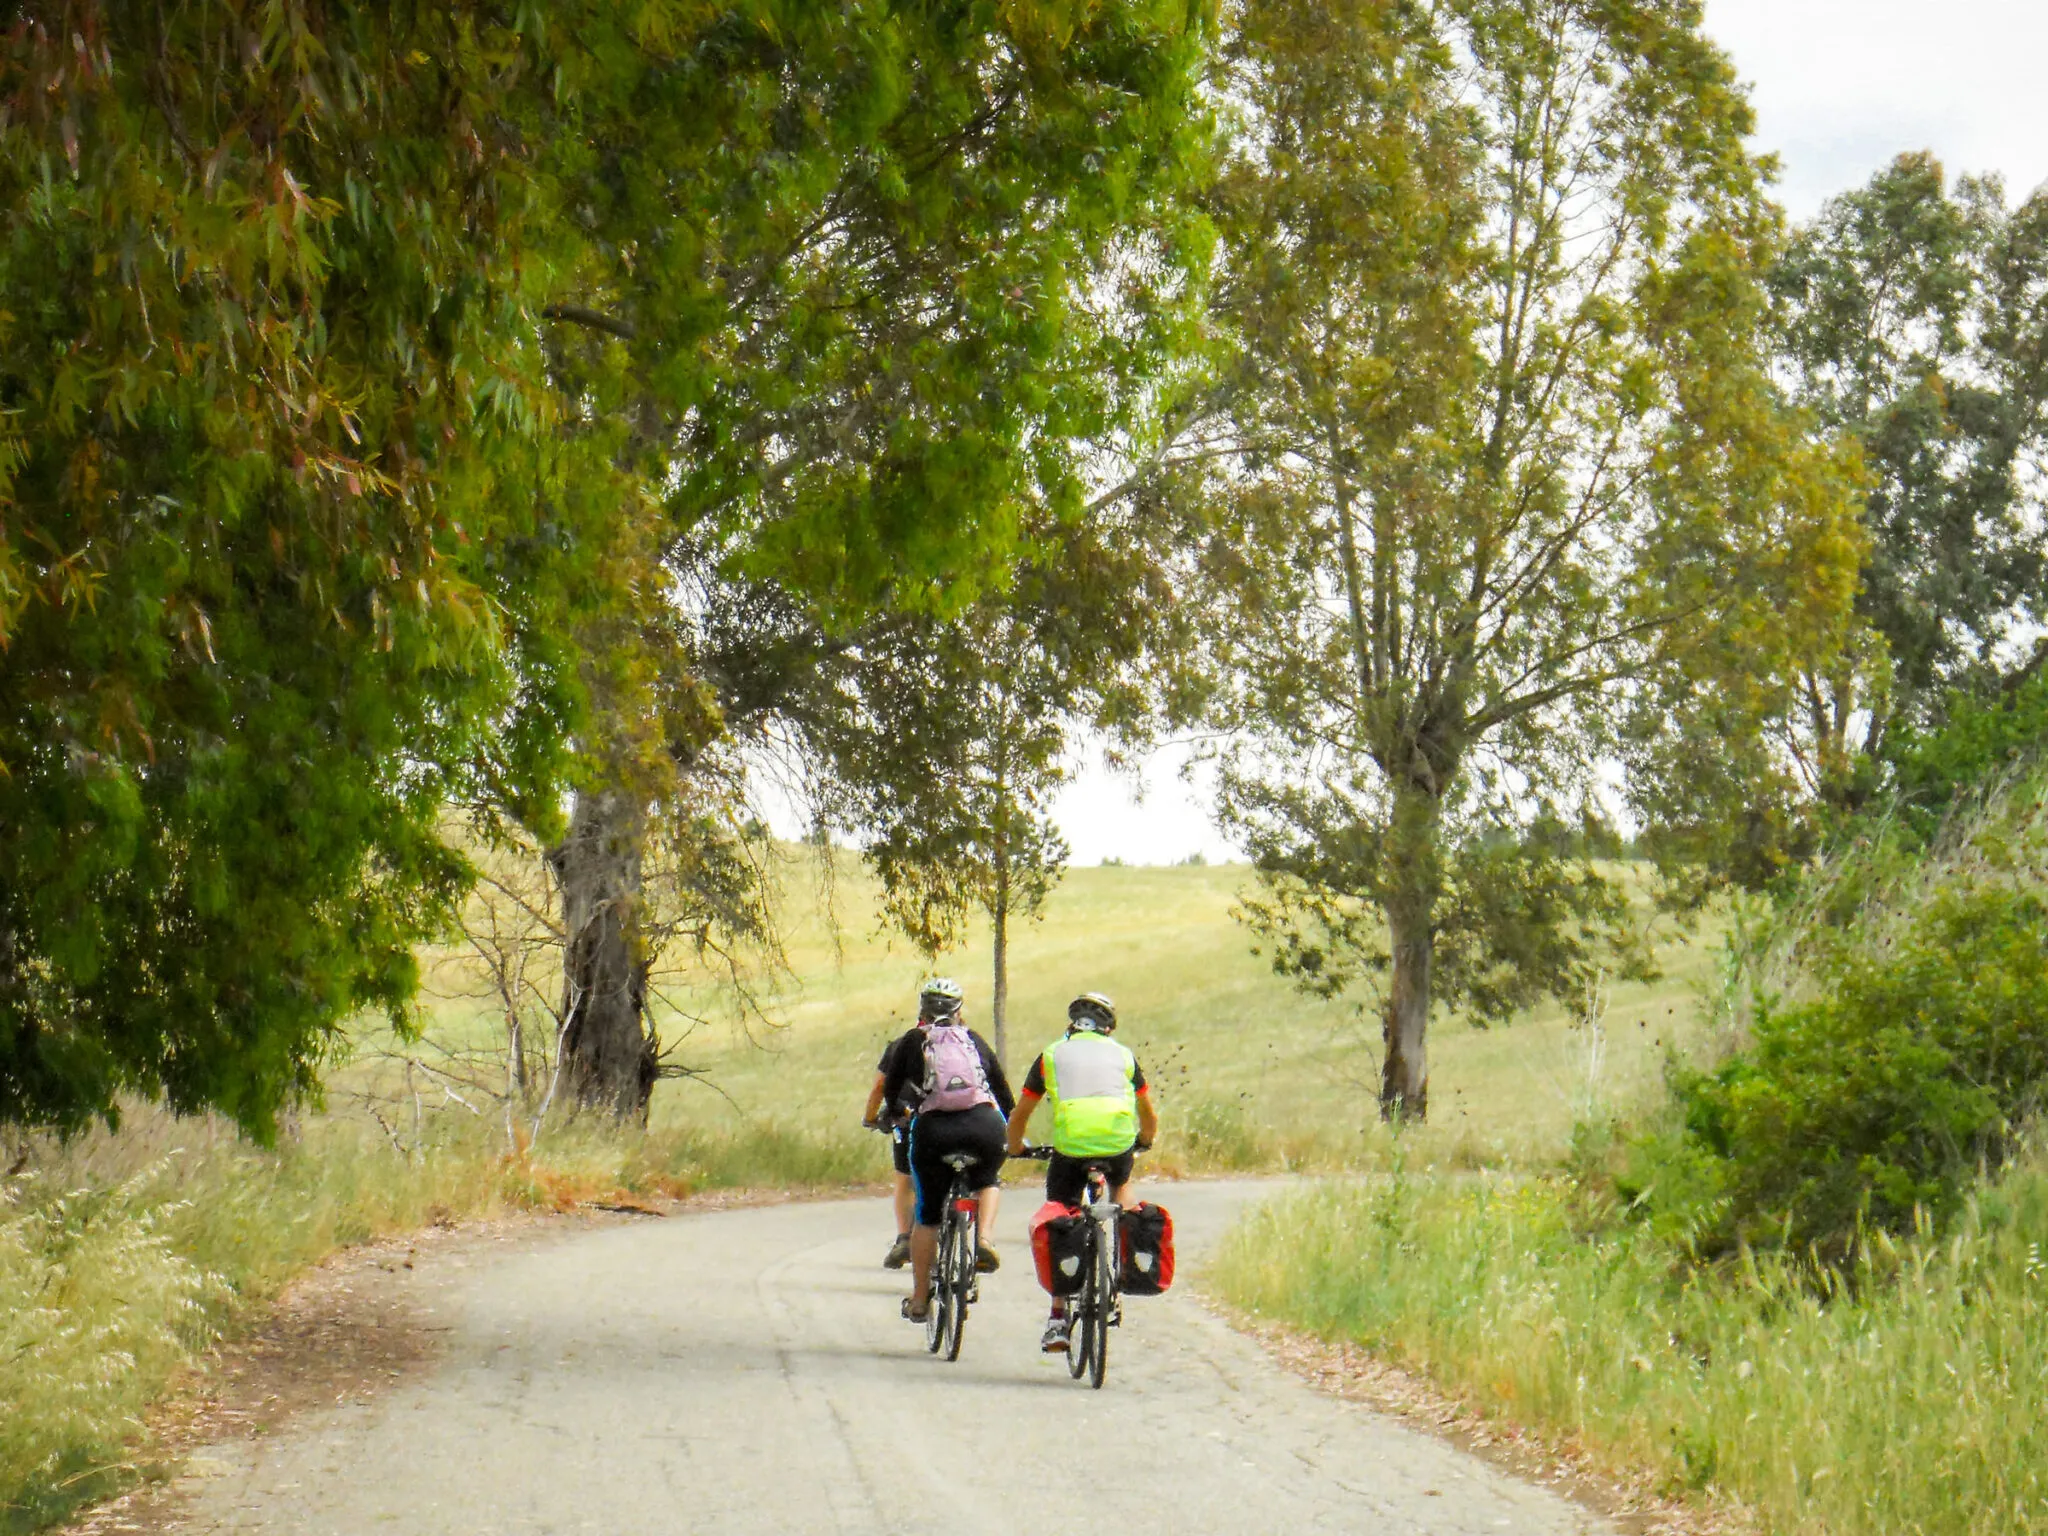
<point x="1092" y="1082"/>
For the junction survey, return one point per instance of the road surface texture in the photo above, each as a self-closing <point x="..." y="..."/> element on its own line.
<point x="746" y="1372"/>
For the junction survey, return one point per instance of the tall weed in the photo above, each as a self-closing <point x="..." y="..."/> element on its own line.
<point x="99" y="1302"/>
<point x="1908" y="1400"/>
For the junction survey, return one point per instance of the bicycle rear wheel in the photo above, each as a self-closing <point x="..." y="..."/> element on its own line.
<point x="938" y="1322"/>
<point x="1105" y="1304"/>
<point x="959" y="1265"/>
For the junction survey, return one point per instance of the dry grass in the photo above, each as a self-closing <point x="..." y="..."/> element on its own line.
<point x="124" y="1257"/>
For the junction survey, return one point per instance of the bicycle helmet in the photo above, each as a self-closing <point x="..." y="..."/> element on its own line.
<point x="1093" y="1011"/>
<point x="939" y="998"/>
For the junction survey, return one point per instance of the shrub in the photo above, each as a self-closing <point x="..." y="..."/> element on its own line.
<point x="1915" y="1048"/>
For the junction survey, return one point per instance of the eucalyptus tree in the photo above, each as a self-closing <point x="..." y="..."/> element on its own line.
<point x="1914" y="315"/>
<point x="285" y="529"/>
<point x="363" y="368"/>
<point x="1507" y="463"/>
<point x="943" y="741"/>
<point x="836" y="275"/>
<point x="950" y="781"/>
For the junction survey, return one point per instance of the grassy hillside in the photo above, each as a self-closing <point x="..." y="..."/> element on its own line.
<point x="1249" y="1071"/>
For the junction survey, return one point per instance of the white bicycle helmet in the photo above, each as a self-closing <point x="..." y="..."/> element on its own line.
<point x="1092" y="1011"/>
<point x="939" y="998"/>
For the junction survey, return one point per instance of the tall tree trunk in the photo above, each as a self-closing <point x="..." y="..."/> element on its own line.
<point x="999" y="914"/>
<point x="608" y="1056"/>
<point x="1414" y="884"/>
<point x="999" y="1008"/>
<point x="999" y="904"/>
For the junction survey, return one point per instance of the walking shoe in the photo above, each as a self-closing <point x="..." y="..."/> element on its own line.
<point x="899" y="1252"/>
<point x="986" y="1260"/>
<point x="1054" y="1340"/>
<point x="913" y="1315"/>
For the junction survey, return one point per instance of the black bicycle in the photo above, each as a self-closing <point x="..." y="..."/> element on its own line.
<point x="954" y="1283"/>
<point x="1098" y="1305"/>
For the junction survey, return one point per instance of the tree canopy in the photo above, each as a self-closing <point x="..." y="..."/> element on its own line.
<point x="363" y="369"/>
<point x="1911" y="315"/>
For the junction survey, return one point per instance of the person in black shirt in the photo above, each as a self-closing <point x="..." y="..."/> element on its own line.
<point x="936" y="1133"/>
<point x="884" y="1113"/>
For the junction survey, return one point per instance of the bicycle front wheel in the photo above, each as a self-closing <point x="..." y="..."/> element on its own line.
<point x="938" y="1322"/>
<point x="1081" y="1309"/>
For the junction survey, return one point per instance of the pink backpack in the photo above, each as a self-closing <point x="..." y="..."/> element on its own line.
<point x="953" y="1075"/>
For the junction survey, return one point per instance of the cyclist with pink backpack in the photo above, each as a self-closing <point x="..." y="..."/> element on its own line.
<point x="959" y="1100"/>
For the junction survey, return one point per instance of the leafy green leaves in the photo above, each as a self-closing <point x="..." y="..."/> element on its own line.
<point x="275" y="467"/>
<point x="1911" y="318"/>
<point x="1510" y="490"/>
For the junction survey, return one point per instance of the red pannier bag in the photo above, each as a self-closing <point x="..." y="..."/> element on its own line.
<point x="1058" y="1241"/>
<point x="1145" y="1233"/>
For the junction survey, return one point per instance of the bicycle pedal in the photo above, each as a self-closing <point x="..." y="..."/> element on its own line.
<point x="974" y="1293"/>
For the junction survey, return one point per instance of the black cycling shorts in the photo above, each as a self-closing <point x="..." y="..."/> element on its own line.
<point x="1066" y="1178"/>
<point x="978" y="1130"/>
<point x="899" y="1149"/>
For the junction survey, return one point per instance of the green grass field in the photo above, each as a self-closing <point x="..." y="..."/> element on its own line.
<point x="1249" y="1072"/>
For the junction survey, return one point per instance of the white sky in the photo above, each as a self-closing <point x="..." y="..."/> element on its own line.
<point x="1840" y="86"/>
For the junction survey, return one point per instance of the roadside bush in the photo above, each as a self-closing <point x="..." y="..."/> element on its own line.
<point x="1978" y="741"/>
<point x="1885" y="1096"/>
<point x="1912" y="1050"/>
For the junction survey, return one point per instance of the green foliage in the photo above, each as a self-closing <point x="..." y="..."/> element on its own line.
<point x="946" y="739"/>
<point x="1938" y="770"/>
<point x="1505" y="482"/>
<point x="1911" y="311"/>
<point x="1879" y="1100"/>
<point x="350" y="356"/>
<point x="847" y="255"/>
<point x="1907" y="1061"/>
<point x="282" y="532"/>
<point x="863" y="290"/>
<point x="1517" y="919"/>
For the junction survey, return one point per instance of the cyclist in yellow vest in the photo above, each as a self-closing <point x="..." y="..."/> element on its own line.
<point x="1101" y="1113"/>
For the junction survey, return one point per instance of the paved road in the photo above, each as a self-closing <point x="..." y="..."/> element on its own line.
<point x="746" y="1372"/>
